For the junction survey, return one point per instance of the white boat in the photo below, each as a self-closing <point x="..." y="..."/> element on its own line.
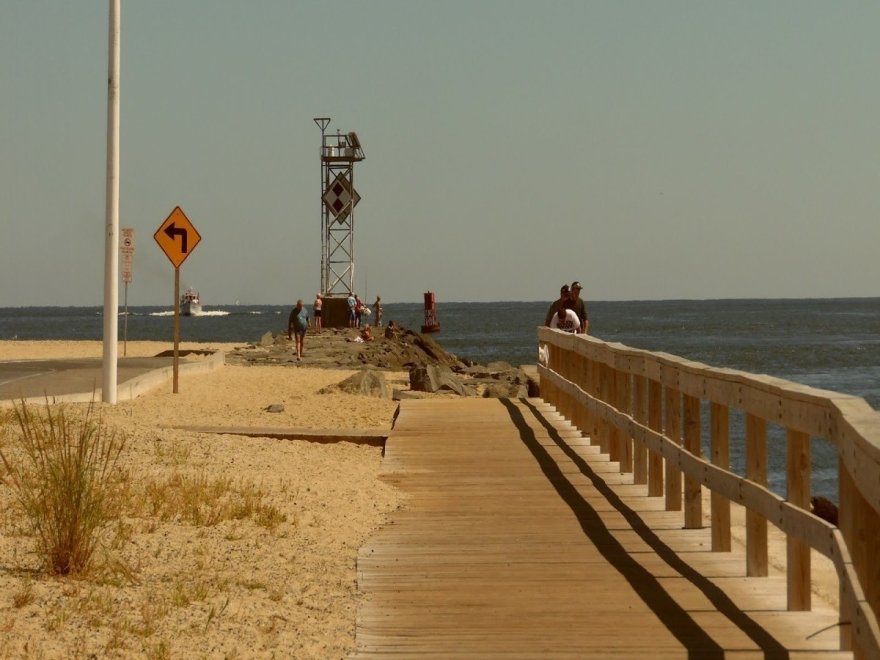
<point x="190" y="304"/>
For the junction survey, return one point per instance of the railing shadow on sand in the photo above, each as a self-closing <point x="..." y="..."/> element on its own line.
<point x="644" y="409"/>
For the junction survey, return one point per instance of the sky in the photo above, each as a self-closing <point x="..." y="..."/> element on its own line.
<point x="649" y="149"/>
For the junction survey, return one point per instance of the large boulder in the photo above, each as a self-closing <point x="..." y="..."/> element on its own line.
<point x="425" y="378"/>
<point x="509" y="383"/>
<point x="436" y="378"/>
<point x="433" y="352"/>
<point x="499" y="365"/>
<point x="505" y="390"/>
<point x="450" y="383"/>
<point x="368" y="382"/>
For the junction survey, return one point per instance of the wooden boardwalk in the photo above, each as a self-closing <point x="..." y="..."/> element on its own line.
<point x="519" y="539"/>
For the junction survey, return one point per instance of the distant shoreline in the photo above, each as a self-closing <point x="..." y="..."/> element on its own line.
<point x="219" y="305"/>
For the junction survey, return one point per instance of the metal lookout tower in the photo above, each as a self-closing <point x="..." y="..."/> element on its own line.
<point x="339" y="153"/>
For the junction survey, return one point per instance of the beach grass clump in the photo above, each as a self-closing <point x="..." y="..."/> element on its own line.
<point x="205" y="501"/>
<point x="24" y="596"/>
<point x="63" y="469"/>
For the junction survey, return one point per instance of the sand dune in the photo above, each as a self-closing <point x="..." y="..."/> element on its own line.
<point x="241" y="587"/>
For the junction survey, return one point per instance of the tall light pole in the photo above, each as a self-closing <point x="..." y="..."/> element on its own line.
<point x="111" y="236"/>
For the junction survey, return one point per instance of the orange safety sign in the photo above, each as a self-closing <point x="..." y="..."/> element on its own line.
<point x="177" y="237"/>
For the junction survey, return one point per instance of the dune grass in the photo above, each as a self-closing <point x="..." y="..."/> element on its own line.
<point x="205" y="501"/>
<point x="91" y="517"/>
<point x="63" y="469"/>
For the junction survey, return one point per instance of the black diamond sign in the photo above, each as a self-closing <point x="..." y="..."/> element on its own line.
<point x="341" y="197"/>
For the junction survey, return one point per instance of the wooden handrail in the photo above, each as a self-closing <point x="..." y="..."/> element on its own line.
<point x="592" y="383"/>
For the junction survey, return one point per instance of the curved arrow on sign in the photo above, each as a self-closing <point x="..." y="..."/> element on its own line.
<point x="171" y="231"/>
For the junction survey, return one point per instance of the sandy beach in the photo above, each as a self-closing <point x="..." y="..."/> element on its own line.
<point x="278" y="582"/>
<point x="275" y="578"/>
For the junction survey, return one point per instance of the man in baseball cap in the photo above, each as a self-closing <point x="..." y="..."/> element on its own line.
<point x="579" y="307"/>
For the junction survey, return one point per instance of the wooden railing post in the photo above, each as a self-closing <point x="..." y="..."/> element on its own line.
<point x="604" y="394"/>
<point x="860" y="527"/>
<point x="549" y="391"/>
<point x="596" y="392"/>
<point x="615" y="437"/>
<point x="586" y="386"/>
<point x="798" y="564"/>
<point x="846" y="491"/>
<point x="693" y="496"/>
<point x="565" y="400"/>
<point x="673" y="432"/>
<point x="587" y="366"/>
<point x="720" y="439"/>
<point x="640" y="413"/>
<point x="655" y="423"/>
<point x="623" y="382"/>
<point x="578" y="414"/>
<point x="756" y="471"/>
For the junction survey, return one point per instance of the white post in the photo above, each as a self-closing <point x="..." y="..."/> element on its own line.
<point x="111" y="244"/>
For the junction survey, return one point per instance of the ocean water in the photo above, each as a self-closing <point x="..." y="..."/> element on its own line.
<point x="831" y="344"/>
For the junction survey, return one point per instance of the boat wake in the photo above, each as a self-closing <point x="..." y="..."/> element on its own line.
<point x="213" y="312"/>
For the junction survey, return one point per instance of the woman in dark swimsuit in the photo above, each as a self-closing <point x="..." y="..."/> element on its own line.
<point x="316" y="307"/>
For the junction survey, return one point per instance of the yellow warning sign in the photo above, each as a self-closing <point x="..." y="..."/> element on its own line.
<point x="177" y="237"/>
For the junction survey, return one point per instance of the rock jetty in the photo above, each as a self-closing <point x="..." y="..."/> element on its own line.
<point x="431" y="368"/>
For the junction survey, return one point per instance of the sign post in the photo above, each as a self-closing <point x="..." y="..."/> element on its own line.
<point x="178" y="238"/>
<point x="127" y="250"/>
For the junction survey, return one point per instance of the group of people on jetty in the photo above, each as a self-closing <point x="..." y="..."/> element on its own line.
<point x="299" y="322"/>
<point x="357" y="310"/>
<point x="569" y="312"/>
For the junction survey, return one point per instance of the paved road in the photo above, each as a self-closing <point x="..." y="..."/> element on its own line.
<point x="36" y="378"/>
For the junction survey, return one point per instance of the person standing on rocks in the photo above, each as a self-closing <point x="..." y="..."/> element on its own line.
<point x="297" y="324"/>
<point x="358" y="310"/>
<point x="377" y="309"/>
<point x="351" y="316"/>
<point x="316" y="309"/>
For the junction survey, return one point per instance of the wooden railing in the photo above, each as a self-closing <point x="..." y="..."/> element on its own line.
<point x="644" y="409"/>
